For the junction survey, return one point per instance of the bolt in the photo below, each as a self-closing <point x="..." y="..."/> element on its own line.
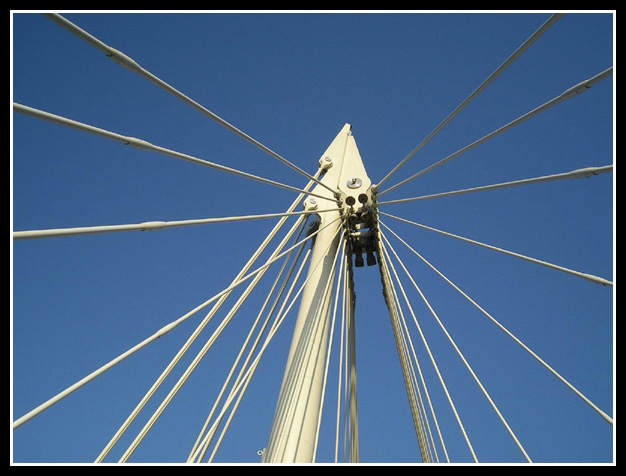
<point x="354" y="182"/>
<point x="310" y="204"/>
<point x="326" y="162"/>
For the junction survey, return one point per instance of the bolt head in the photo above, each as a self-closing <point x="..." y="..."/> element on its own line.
<point x="326" y="162"/>
<point x="354" y="182"/>
<point x="310" y="204"/>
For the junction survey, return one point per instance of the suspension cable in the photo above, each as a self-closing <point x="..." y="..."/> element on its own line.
<point x="433" y="361"/>
<point x="195" y="362"/>
<point x="568" y="94"/>
<point x="340" y="275"/>
<point x="509" y="333"/>
<point x="534" y="37"/>
<point x="406" y="366"/>
<point x="151" y="225"/>
<point x="579" y="173"/>
<point x="249" y="377"/>
<point x="458" y="351"/>
<point x="244" y="380"/>
<point x="409" y="343"/>
<point x="588" y="277"/>
<point x="145" y="145"/>
<point x="260" y="333"/>
<point x="132" y="65"/>
<point x="416" y="401"/>
<point x="262" y="350"/>
<point x="238" y="279"/>
<point x="160" y="333"/>
<point x="168" y="369"/>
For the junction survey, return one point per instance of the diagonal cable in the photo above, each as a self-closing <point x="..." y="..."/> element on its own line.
<point x="151" y="225"/>
<point x="259" y="334"/>
<point x="261" y="351"/>
<point x="145" y="145"/>
<point x="239" y="278"/>
<point x="242" y="277"/>
<point x="403" y="330"/>
<point x="192" y="366"/>
<point x="431" y="356"/>
<point x="458" y="351"/>
<point x="511" y="335"/>
<point x="534" y="37"/>
<point x="578" y="173"/>
<point x="248" y="379"/>
<point x="129" y="63"/>
<point x="570" y="93"/>
<point x="588" y="277"/>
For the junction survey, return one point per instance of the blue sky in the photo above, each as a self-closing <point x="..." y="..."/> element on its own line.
<point x="292" y="81"/>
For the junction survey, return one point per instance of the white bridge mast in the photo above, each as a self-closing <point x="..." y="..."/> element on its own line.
<point x="295" y="425"/>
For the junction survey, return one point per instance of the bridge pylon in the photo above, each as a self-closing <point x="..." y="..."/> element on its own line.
<point x="296" y="420"/>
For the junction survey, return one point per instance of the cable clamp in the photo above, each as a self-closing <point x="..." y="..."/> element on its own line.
<point x="124" y="60"/>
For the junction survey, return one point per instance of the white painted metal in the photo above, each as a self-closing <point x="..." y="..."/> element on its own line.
<point x="295" y="425"/>
<point x="346" y="181"/>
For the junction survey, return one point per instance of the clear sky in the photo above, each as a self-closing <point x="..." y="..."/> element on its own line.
<point x="292" y="81"/>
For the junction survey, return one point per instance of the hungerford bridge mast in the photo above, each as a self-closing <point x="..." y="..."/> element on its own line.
<point x="344" y="203"/>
